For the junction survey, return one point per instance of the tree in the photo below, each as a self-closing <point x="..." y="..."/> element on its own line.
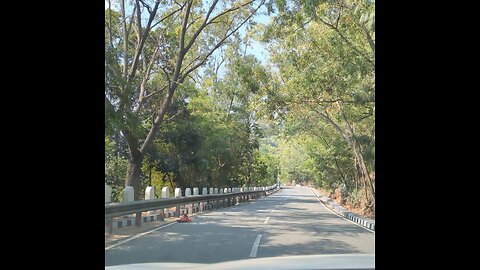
<point x="324" y="53"/>
<point x="150" y="53"/>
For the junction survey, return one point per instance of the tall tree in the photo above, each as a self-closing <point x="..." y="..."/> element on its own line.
<point x="324" y="52"/>
<point x="152" y="48"/>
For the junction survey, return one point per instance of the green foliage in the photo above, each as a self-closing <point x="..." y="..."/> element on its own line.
<point x="307" y="117"/>
<point x="115" y="169"/>
<point x="324" y="97"/>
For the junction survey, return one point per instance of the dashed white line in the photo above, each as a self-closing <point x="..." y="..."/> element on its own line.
<point x="266" y="220"/>
<point x="253" y="252"/>
<point x="138" y="235"/>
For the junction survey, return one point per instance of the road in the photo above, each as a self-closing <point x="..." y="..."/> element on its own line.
<point x="289" y="222"/>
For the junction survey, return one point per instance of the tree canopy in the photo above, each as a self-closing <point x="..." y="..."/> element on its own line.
<point x="188" y="104"/>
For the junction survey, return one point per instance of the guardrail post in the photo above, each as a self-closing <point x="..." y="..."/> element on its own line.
<point x="109" y="225"/>
<point x="128" y="197"/>
<point x="150" y="195"/>
<point x="215" y="191"/>
<point x="196" y="205"/>
<point x="220" y="191"/>
<point x="178" y="194"/>
<point x="229" y="200"/>
<point x="108" y="193"/>
<point x="188" y="193"/>
<point x="204" y="205"/>
<point x="225" y="201"/>
<point x="128" y="194"/>
<point x="165" y="194"/>
<point x="210" y="203"/>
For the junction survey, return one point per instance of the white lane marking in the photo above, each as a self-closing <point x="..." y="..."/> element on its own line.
<point x="138" y="235"/>
<point x="340" y="215"/>
<point x="266" y="220"/>
<point x="253" y="252"/>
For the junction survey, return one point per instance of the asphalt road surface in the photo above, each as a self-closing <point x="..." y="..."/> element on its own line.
<point x="289" y="222"/>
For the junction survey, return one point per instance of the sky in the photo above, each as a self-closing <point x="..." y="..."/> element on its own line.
<point x="257" y="49"/>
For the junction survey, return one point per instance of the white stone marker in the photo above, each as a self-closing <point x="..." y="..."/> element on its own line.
<point x="108" y="193"/>
<point x="149" y="193"/>
<point x="128" y="194"/>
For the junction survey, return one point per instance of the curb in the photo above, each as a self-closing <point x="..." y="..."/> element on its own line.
<point x="363" y="221"/>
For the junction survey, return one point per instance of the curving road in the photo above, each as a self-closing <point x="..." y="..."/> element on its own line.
<point x="289" y="222"/>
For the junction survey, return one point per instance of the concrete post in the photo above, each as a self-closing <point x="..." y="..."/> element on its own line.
<point x="165" y="194"/>
<point x="149" y="193"/>
<point x="178" y="194"/>
<point x="188" y="193"/>
<point x="204" y="205"/>
<point x="128" y="194"/>
<point x="108" y="198"/>
<point x="108" y="193"/>
<point x="195" y="193"/>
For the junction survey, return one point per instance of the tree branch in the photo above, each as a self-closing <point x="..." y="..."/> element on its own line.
<point x="168" y="16"/>
<point x="347" y="41"/>
<point x="155" y="92"/>
<point x="220" y="43"/>
<point x="147" y="6"/>
<point x="184" y="27"/>
<point x="139" y="21"/>
<point x="170" y="118"/>
<point x="125" y="42"/>
<point x="131" y="20"/>
<point x="207" y="22"/>
<point x="110" y="22"/>
<point x="369" y="39"/>
<point x="142" y="42"/>
<point x="145" y="79"/>
<point x="193" y="21"/>
<point x="166" y="74"/>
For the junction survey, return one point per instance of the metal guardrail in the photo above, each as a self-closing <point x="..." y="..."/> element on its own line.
<point x="119" y="209"/>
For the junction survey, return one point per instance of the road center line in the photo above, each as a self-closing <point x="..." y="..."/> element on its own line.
<point x="253" y="252"/>
<point x="266" y="220"/>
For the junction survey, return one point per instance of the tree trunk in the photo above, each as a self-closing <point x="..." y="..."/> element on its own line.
<point x="349" y="136"/>
<point x="365" y="174"/>
<point x="135" y="170"/>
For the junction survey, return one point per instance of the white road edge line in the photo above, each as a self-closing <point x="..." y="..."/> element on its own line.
<point x="138" y="235"/>
<point x="266" y="220"/>
<point x="333" y="212"/>
<point x="253" y="253"/>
